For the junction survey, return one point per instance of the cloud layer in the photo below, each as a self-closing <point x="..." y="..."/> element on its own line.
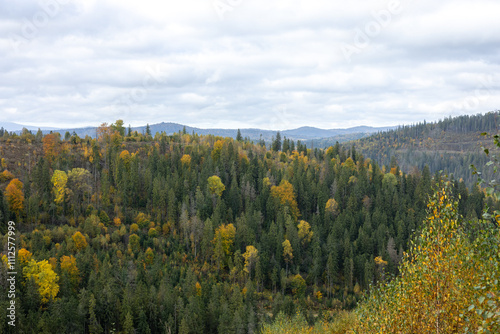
<point x="240" y="63"/>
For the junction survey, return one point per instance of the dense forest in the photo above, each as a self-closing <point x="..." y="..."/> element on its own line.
<point x="143" y="233"/>
<point x="448" y="280"/>
<point x="451" y="145"/>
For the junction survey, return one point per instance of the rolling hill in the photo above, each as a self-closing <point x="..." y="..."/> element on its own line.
<point x="450" y="145"/>
<point x="303" y="133"/>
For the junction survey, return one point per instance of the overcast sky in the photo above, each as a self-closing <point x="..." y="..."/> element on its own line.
<point x="247" y="63"/>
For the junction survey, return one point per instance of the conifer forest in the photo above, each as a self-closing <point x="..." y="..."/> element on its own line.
<point x="128" y="232"/>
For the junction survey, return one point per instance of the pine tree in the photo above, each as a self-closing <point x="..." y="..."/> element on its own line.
<point x="94" y="325"/>
<point x="276" y="145"/>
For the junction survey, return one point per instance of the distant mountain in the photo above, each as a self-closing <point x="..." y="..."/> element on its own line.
<point x="10" y="126"/>
<point x="304" y="133"/>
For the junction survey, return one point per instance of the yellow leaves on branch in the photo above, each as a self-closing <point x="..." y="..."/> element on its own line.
<point x="24" y="256"/>
<point x="125" y="157"/>
<point x="5" y="261"/>
<point x="117" y="221"/>
<point x="152" y="232"/>
<point x="298" y="284"/>
<point x="186" y="160"/>
<point x="379" y="261"/>
<point x="6" y="176"/>
<point x="68" y="265"/>
<point x="287" y="250"/>
<point x="149" y="256"/>
<point x="142" y="220"/>
<point x="198" y="289"/>
<point x="305" y="233"/>
<point x="437" y="280"/>
<point x="251" y="256"/>
<point x="45" y="277"/>
<point x="15" y="196"/>
<point x="329" y="151"/>
<point x="243" y="158"/>
<point x="266" y="182"/>
<point x="79" y="240"/>
<point x="332" y="207"/>
<point x="226" y="234"/>
<point x="216" y="152"/>
<point x="319" y="295"/>
<point x="286" y="196"/>
<point x="134" y="228"/>
<point x="215" y="185"/>
<point x="78" y="178"/>
<point x="59" y="180"/>
<point x="349" y="163"/>
<point x="134" y="243"/>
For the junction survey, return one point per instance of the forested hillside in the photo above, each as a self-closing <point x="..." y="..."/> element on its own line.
<point x="199" y="234"/>
<point x="448" y="280"/>
<point x="451" y="145"/>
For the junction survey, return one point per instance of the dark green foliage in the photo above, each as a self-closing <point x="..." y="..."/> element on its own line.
<point x="153" y="262"/>
<point x="450" y="145"/>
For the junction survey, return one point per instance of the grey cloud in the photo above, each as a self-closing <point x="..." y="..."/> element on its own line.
<point x="265" y="65"/>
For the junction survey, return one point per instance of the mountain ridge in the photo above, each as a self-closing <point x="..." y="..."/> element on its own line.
<point x="16" y="127"/>
<point x="303" y="133"/>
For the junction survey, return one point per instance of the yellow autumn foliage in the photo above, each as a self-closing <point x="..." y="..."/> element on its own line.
<point x="59" y="180"/>
<point x="226" y="234"/>
<point x="332" y="206"/>
<point x="45" y="278"/>
<point x="24" y="256"/>
<point x="286" y="196"/>
<point x="437" y="281"/>
<point x="251" y="255"/>
<point x="186" y="160"/>
<point x="305" y="233"/>
<point x="79" y="240"/>
<point x="68" y="265"/>
<point x="287" y="250"/>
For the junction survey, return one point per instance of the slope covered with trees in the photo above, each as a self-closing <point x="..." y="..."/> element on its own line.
<point x="451" y="145"/>
<point x="448" y="281"/>
<point x="197" y="234"/>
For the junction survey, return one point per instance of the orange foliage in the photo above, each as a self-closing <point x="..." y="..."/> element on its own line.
<point x="51" y="146"/>
<point x="15" y="196"/>
<point x="24" y="255"/>
<point x="117" y="221"/>
<point x="68" y="265"/>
